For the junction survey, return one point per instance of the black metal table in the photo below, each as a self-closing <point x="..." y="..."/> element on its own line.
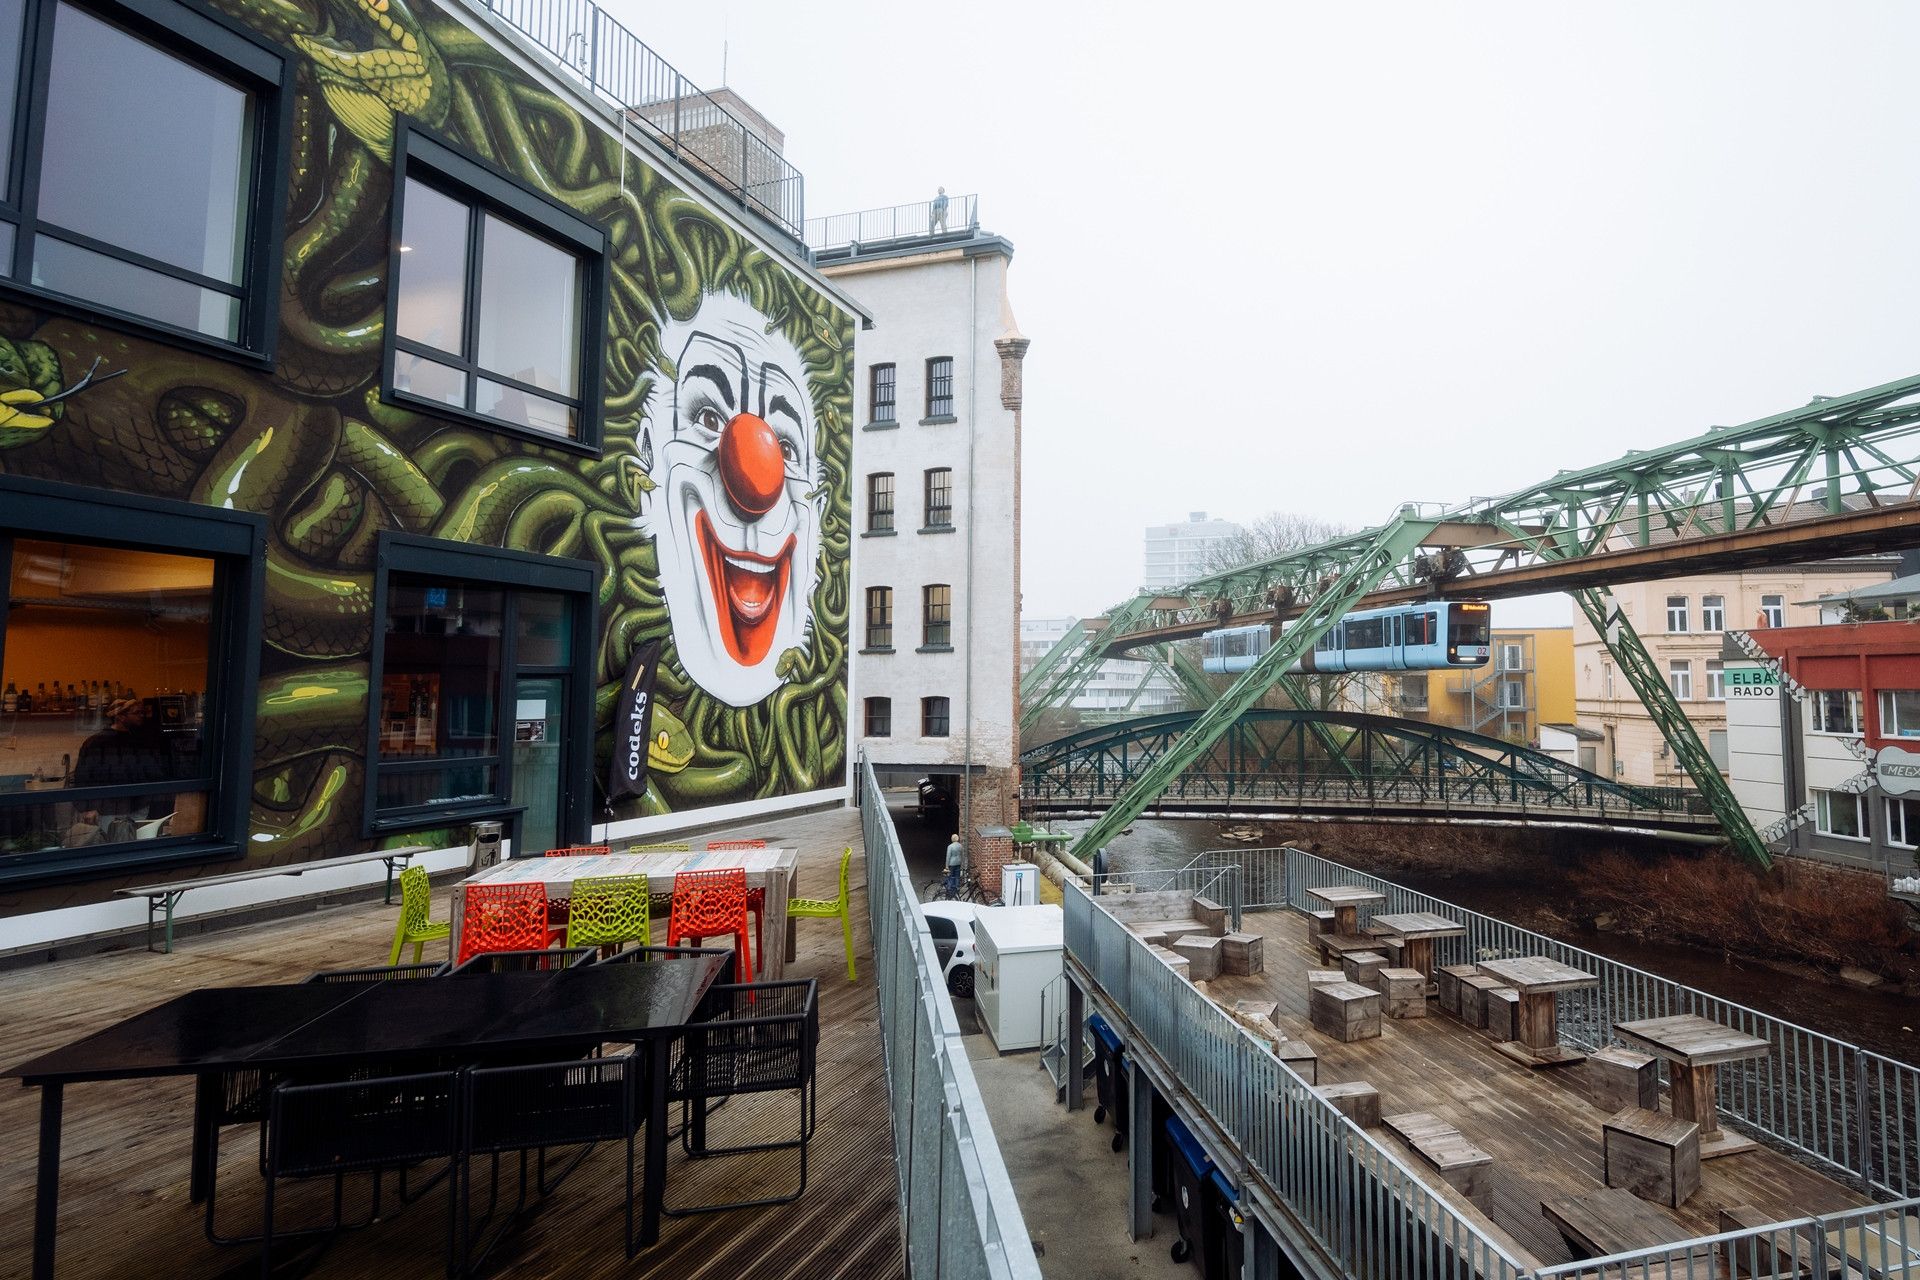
<point x="303" y="1028"/>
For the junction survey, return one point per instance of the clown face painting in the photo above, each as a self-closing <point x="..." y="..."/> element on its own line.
<point x="727" y="438"/>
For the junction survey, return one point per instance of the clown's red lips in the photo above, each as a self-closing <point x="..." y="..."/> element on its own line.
<point x="748" y="591"/>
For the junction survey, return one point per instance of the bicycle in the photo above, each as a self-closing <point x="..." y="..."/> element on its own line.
<point x="970" y="890"/>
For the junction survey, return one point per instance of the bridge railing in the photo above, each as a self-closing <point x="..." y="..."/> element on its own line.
<point x="958" y="1209"/>
<point x="1844" y="1107"/>
<point x="1369" y="1212"/>
<point x="1470" y="793"/>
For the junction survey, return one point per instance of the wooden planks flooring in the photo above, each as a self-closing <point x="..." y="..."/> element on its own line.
<point x="124" y="1207"/>
<point x="1540" y="1129"/>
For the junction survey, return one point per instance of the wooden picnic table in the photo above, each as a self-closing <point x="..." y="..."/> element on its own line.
<point x="1416" y="931"/>
<point x="1539" y="980"/>
<point x="1346" y="901"/>
<point x="1694" y="1048"/>
<point x="771" y="869"/>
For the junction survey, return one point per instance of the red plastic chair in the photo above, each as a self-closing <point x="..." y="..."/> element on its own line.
<point x="707" y="903"/>
<point x="578" y="851"/>
<point x="756" y="897"/>
<point x="504" y="917"/>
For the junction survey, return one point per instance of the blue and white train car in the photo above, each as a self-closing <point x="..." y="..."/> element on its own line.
<point x="1409" y="637"/>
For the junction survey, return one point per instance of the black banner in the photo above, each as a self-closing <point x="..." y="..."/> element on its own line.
<point x="633" y="725"/>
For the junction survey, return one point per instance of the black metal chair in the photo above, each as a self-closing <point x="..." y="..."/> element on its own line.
<point x="534" y="1108"/>
<point x="641" y="955"/>
<point x="359" y="1126"/>
<point x="382" y="973"/>
<point x="525" y="961"/>
<point x="751" y="1038"/>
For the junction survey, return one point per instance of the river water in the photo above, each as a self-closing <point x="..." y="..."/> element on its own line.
<point x="1883" y="1020"/>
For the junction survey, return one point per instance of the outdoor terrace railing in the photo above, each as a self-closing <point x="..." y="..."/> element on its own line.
<point x="896" y="222"/>
<point x="1370" y="1214"/>
<point x="1217" y="883"/>
<point x="1263" y="874"/>
<point x="1845" y="1107"/>
<point x="961" y="1218"/>
<point x="1882" y="1241"/>
<point x="617" y="65"/>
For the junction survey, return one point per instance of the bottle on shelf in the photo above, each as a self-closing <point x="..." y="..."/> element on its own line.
<point x="40" y="696"/>
<point x="10" y="700"/>
<point x="26" y="702"/>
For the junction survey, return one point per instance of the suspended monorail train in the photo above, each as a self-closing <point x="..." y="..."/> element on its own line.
<point x="1408" y="637"/>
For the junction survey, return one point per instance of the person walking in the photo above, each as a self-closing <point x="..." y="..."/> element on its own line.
<point x="956" y="862"/>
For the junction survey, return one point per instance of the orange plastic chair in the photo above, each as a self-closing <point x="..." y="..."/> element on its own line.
<point x="708" y="903"/>
<point x="504" y="917"/>
<point x="756" y="896"/>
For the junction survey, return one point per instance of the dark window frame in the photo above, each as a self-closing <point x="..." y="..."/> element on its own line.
<point x="891" y="382"/>
<point x="236" y="542"/>
<point x="938" y="481"/>
<point x="428" y="158"/>
<point x="939" y="388"/>
<point x="220" y="47"/>
<point x="936" y="617"/>
<point x="875" y="514"/>
<point x="936" y="709"/>
<point x="511" y="571"/>
<point x="879" y="634"/>
<point x="877" y="711"/>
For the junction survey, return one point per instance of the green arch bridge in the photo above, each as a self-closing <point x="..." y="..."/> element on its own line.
<point x="1273" y="763"/>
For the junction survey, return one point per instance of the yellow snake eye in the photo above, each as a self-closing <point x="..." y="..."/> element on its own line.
<point x="662" y="739"/>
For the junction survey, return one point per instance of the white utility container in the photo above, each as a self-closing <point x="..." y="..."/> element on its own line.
<point x="1020" y="885"/>
<point x="1017" y="974"/>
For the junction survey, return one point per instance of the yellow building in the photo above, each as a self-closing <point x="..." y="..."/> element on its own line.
<point x="1528" y="683"/>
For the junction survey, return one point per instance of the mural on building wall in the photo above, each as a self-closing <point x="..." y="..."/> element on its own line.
<point x="720" y="505"/>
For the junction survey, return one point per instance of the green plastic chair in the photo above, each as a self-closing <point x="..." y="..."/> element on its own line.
<point x="827" y="908"/>
<point x="608" y="911"/>
<point x="416" y="900"/>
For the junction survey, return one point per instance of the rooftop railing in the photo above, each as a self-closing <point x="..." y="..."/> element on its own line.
<point x="616" y="65"/>
<point x="940" y="216"/>
<point x="957" y="1204"/>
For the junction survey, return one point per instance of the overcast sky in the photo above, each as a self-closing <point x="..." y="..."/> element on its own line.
<point x="1325" y="258"/>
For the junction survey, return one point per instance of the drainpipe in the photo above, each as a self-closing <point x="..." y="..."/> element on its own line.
<point x="973" y="434"/>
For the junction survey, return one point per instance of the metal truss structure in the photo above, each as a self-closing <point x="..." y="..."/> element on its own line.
<point x="1839" y="476"/>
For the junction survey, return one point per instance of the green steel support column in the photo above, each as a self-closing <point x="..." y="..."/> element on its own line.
<point x="1070" y="642"/>
<point x="1623" y="642"/>
<point x="1361" y="574"/>
<point x="1070" y="675"/>
<point x="1191" y="679"/>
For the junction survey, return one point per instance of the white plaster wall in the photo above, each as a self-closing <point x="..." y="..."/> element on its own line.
<point x="937" y="305"/>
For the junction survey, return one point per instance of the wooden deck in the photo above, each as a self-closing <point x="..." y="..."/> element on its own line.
<point x="1537" y="1124"/>
<point x="124" y="1208"/>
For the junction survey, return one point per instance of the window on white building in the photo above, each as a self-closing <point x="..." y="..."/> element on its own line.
<point x="1840" y="813"/>
<point x="1900" y="713"/>
<point x="1716" y="680"/>
<point x="1773" y="611"/>
<point x="1717" y="748"/>
<point x="1836" y="711"/>
<point x="1903" y="822"/>
<point x="879" y="717"/>
<point x="1680" y="678"/>
<point x="1713" y="613"/>
<point x="1676" y="615"/>
<point x="880" y="502"/>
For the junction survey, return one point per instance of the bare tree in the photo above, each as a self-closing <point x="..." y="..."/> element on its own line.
<point x="1273" y="534"/>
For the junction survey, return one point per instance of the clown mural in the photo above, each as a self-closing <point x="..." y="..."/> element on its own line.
<point x="727" y="439"/>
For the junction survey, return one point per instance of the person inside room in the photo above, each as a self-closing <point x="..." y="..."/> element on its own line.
<point x="128" y="750"/>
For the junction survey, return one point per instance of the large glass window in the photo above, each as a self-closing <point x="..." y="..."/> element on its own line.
<point x="496" y="299"/>
<point x="1903" y="821"/>
<point x="1840" y="813"/>
<point x="143" y="191"/>
<point x="1900" y="713"/>
<point x="105" y="656"/>
<point x="440" y="693"/>
<point x="1837" y="711"/>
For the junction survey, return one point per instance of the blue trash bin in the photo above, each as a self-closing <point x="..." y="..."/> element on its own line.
<point x="1110" y="1079"/>
<point x="1188" y="1166"/>
<point x="1224" y="1249"/>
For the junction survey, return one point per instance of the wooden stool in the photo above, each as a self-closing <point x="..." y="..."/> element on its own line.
<point x="1354" y="1099"/>
<point x="1345" y="1010"/>
<point x="1654" y="1156"/>
<point x="1448" y="979"/>
<point x="1473" y="998"/>
<point x="1317" y="976"/>
<point x="1211" y="914"/>
<point x="1405" y="991"/>
<point x="1243" y="953"/>
<point x="1503" y="1013"/>
<point x="1318" y="922"/>
<point x="1463" y="1166"/>
<point x="1361" y="967"/>
<point x="1301" y="1056"/>
<point x="1173" y="960"/>
<point x="1260" y="1010"/>
<point x="1203" y="956"/>
<point x="1618" y="1078"/>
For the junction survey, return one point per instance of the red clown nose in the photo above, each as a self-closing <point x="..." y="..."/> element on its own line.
<point x="751" y="468"/>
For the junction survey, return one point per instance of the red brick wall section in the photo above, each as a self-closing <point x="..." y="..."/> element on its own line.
<point x="992" y="850"/>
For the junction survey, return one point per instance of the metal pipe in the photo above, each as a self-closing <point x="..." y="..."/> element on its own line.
<point x="973" y="483"/>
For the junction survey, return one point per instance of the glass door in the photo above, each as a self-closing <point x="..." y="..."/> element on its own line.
<point x="539" y="749"/>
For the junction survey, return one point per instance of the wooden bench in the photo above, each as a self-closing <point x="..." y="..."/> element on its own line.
<point x="1404" y="992"/>
<point x="1503" y="1013"/>
<point x="1783" y="1253"/>
<point x="1463" y="1166"/>
<point x="1243" y="953"/>
<point x="1617" y="1078"/>
<point x="1596" y="1224"/>
<point x="1447" y="980"/>
<point x="1211" y="914"/>
<point x="1354" y="1099"/>
<point x="1344" y="1010"/>
<point x="1318" y="922"/>
<point x="1172" y="959"/>
<point x="1473" y="998"/>
<point x="164" y="897"/>
<point x="1654" y="1156"/>
<point x="1202" y="952"/>
<point x="1363" y="967"/>
<point x="1389" y="944"/>
<point x="1335" y="945"/>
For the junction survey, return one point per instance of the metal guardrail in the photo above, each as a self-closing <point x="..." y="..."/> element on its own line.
<point x="1263" y="874"/>
<point x="896" y="222"/>
<point x="1882" y="1241"/>
<point x="1218" y="884"/>
<point x="1371" y="1214"/>
<point x="957" y="1205"/>
<point x="617" y="65"/>
<point x="1844" y="1107"/>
